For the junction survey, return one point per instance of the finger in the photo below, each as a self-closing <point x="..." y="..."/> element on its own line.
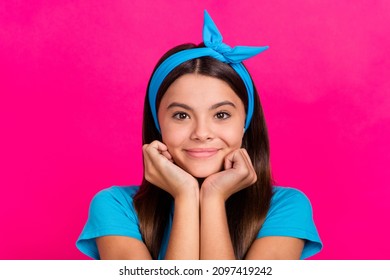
<point x="253" y="176"/>
<point x="145" y="152"/>
<point x="234" y="160"/>
<point x="247" y="158"/>
<point x="159" y="146"/>
<point x="241" y="162"/>
<point x="229" y="160"/>
<point x="167" y="155"/>
<point x="162" y="149"/>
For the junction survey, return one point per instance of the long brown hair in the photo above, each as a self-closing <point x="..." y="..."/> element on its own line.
<point x="246" y="209"/>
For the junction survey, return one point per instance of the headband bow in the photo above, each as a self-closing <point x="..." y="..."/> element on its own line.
<point x="215" y="48"/>
<point x="212" y="38"/>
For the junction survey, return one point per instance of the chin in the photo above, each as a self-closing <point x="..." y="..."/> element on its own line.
<point x="203" y="172"/>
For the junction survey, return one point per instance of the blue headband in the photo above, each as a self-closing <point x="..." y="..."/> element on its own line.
<point x="215" y="48"/>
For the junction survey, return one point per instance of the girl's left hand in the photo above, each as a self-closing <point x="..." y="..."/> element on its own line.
<point x="237" y="175"/>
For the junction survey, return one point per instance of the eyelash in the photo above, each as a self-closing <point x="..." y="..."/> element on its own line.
<point x="225" y="115"/>
<point x="179" y="116"/>
<point x="218" y="115"/>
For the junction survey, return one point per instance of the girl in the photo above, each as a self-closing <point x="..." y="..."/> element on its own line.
<point x="207" y="190"/>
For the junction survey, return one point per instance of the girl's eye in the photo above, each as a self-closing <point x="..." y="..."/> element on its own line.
<point x="180" y="116"/>
<point x="222" y="115"/>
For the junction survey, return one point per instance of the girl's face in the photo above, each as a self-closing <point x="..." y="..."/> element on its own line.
<point x="202" y="120"/>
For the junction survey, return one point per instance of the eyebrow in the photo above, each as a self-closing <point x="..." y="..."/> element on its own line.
<point x="176" y="104"/>
<point x="213" y="107"/>
<point x="223" y="103"/>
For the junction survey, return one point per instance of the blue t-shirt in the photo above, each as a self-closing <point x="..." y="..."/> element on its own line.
<point x="112" y="213"/>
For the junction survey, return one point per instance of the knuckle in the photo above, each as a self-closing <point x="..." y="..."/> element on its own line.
<point x="148" y="177"/>
<point x="254" y="178"/>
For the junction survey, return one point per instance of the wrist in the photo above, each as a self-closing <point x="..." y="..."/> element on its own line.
<point x="212" y="196"/>
<point x="189" y="192"/>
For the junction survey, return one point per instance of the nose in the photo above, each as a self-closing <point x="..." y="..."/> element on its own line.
<point x="202" y="131"/>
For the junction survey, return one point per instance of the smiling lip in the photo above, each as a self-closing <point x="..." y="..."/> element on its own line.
<point x="201" y="153"/>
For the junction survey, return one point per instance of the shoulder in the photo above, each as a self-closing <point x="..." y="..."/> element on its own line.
<point x="288" y="206"/>
<point x="116" y="194"/>
<point x="288" y="199"/>
<point x="112" y="201"/>
<point x="291" y="214"/>
<point x="111" y="212"/>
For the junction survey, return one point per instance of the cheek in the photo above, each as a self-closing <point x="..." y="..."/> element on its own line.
<point x="235" y="142"/>
<point x="173" y="139"/>
<point x="233" y="137"/>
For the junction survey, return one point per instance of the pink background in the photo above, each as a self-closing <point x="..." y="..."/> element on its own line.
<point x="72" y="82"/>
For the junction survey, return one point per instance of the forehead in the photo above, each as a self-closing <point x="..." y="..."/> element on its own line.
<point x="199" y="89"/>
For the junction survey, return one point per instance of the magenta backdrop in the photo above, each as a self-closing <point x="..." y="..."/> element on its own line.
<point x="72" y="82"/>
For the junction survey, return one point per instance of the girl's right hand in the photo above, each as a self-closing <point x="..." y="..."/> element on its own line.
<point x="163" y="173"/>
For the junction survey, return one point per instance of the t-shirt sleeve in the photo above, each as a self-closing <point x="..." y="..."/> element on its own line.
<point x="291" y="215"/>
<point x="111" y="212"/>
